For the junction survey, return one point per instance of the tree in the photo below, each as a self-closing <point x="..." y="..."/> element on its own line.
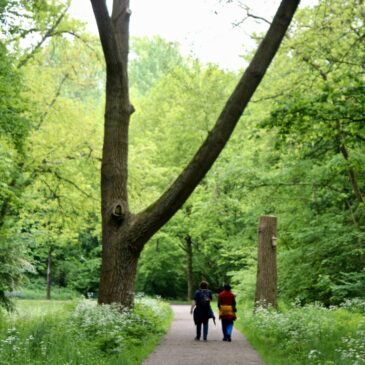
<point x="14" y="129"/>
<point x="25" y="28"/>
<point x="151" y="59"/>
<point x="61" y="192"/>
<point x="320" y="136"/>
<point x="124" y="233"/>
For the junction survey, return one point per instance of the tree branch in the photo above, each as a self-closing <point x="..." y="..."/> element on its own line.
<point x="48" y="34"/>
<point x="311" y="63"/>
<point x="70" y="182"/>
<point x="106" y="29"/>
<point x="250" y="15"/>
<point x="53" y="101"/>
<point x="166" y="206"/>
<point x="269" y="97"/>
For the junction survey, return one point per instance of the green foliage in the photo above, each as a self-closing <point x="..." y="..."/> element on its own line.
<point x="12" y="270"/>
<point x="61" y="190"/>
<point x="36" y="213"/>
<point x="14" y="129"/>
<point x="164" y="276"/>
<point x="312" y="174"/>
<point x="184" y="123"/>
<point x="319" y="266"/>
<point x="151" y="59"/>
<point x="298" y="153"/>
<point x="27" y="25"/>
<point x="351" y="285"/>
<point x="35" y="289"/>
<point x="14" y="126"/>
<point x="155" y="132"/>
<point x="307" y="335"/>
<point x="79" y="267"/>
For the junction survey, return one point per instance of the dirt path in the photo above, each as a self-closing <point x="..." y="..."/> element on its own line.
<point x="179" y="348"/>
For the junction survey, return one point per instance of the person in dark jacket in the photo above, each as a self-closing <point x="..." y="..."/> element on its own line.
<point x="201" y="310"/>
<point x="227" y="311"/>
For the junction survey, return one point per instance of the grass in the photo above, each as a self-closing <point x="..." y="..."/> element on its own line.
<point x="70" y="332"/>
<point x="310" y="335"/>
<point x="38" y="308"/>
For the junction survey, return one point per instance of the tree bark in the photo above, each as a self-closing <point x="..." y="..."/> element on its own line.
<point x="119" y="268"/>
<point x="123" y="233"/>
<point x="119" y="256"/>
<point x="49" y="274"/>
<point x="266" y="282"/>
<point x="189" y="255"/>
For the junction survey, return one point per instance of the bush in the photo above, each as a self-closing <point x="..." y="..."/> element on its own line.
<point x="310" y="335"/>
<point x="85" y="334"/>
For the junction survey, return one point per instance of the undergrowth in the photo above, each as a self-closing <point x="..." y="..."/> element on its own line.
<point x="309" y="335"/>
<point x="82" y="333"/>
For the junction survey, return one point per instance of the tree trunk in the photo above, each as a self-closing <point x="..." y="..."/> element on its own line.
<point x="189" y="254"/>
<point x="119" y="256"/>
<point x="5" y="205"/>
<point x="118" y="271"/>
<point x="351" y="172"/>
<point x="266" y="283"/>
<point x="49" y="274"/>
<point x="123" y="233"/>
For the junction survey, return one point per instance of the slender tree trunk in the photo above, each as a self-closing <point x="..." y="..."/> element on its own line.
<point x="49" y="274"/>
<point x="189" y="254"/>
<point x="351" y="172"/>
<point x="266" y="283"/>
<point x="4" y="206"/>
<point x="123" y="233"/>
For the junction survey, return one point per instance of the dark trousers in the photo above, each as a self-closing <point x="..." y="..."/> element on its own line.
<point x="227" y="325"/>
<point x="199" y="329"/>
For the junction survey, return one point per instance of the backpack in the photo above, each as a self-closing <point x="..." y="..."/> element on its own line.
<point x="204" y="298"/>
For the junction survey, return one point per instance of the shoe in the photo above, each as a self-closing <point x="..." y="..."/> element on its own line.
<point x="229" y="339"/>
<point x="224" y="339"/>
<point x="205" y="339"/>
<point x="197" y="339"/>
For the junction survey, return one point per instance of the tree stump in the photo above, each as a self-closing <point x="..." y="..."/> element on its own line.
<point x="266" y="282"/>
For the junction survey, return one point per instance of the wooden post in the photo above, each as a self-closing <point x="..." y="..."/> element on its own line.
<point x="266" y="282"/>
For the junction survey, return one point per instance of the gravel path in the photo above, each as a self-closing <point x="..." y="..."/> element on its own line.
<point x="179" y="348"/>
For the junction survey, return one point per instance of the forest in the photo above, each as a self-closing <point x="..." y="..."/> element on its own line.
<point x="297" y="153"/>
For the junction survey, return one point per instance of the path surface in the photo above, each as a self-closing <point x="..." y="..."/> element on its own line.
<point x="179" y="348"/>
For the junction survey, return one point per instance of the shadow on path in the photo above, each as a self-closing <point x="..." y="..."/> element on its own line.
<point x="179" y="348"/>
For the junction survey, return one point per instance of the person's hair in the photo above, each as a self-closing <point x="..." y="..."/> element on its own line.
<point x="203" y="285"/>
<point x="227" y="287"/>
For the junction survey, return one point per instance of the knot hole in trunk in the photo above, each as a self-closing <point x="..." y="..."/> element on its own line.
<point x="119" y="212"/>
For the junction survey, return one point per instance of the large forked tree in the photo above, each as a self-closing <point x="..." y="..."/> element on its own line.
<point x="124" y="233"/>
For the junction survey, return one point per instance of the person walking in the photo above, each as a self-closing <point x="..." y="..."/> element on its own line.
<point x="201" y="310"/>
<point x="227" y="311"/>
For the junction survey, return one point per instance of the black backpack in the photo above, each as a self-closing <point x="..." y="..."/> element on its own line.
<point x="204" y="298"/>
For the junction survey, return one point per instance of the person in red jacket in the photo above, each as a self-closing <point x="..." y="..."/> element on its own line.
<point x="227" y="311"/>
